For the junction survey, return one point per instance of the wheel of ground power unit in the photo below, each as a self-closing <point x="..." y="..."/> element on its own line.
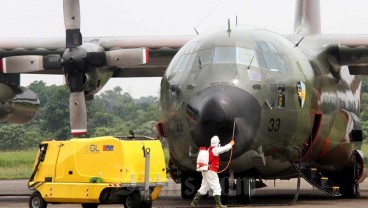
<point x="89" y="205"/>
<point x="133" y="200"/>
<point x="146" y="204"/>
<point x="36" y="201"/>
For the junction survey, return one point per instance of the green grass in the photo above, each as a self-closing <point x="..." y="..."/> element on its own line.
<point x="15" y="165"/>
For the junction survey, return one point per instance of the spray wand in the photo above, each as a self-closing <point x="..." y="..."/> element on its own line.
<point x="231" y="152"/>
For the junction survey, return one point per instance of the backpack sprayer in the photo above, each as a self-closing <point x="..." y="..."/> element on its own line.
<point x="203" y="157"/>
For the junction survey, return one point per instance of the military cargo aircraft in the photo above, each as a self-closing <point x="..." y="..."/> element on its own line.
<point x="293" y="100"/>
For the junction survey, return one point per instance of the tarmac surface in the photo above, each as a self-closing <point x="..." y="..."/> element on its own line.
<point x="14" y="193"/>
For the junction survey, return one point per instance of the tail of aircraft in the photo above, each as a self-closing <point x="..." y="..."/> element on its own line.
<point x="307" y="17"/>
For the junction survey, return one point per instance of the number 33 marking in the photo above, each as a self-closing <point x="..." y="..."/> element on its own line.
<point x="274" y="125"/>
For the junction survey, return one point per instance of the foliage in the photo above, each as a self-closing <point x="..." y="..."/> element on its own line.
<point x="364" y="107"/>
<point x="16" y="137"/>
<point x="112" y="112"/>
<point x="53" y="118"/>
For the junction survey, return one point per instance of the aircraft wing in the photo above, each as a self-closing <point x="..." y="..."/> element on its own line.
<point x="161" y="51"/>
<point x="338" y="50"/>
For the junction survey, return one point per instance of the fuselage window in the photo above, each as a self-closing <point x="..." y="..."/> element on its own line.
<point x="281" y="102"/>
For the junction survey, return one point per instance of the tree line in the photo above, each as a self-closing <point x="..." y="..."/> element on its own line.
<point x="112" y="112"/>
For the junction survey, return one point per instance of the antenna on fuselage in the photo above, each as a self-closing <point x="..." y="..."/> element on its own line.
<point x="297" y="44"/>
<point x="199" y="62"/>
<point x="195" y="29"/>
<point x="236" y="20"/>
<point x="228" y="26"/>
<point x="250" y="63"/>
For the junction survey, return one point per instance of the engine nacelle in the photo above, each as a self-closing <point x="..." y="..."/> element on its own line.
<point x="18" y="105"/>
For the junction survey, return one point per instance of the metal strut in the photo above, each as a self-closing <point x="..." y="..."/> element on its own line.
<point x="296" y="196"/>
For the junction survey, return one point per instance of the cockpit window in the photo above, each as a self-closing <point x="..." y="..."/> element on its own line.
<point x="205" y="57"/>
<point x="266" y="47"/>
<point x="224" y="55"/>
<point x="191" y="48"/>
<point x="235" y="55"/>
<point x="245" y="57"/>
<point x="269" y="57"/>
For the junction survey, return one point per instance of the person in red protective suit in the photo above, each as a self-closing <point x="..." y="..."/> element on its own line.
<point x="210" y="179"/>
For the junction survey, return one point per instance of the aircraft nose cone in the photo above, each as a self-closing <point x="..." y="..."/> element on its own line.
<point x="213" y="112"/>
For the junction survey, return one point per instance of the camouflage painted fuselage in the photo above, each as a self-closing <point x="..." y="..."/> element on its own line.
<point x="280" y="97"/>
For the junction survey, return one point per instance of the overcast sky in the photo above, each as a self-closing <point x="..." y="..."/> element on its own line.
<point x="44" y="18"/>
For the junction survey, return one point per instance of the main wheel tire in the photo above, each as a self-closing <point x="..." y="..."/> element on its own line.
<point x="36" y="201"/>
<point x="225" y="186"/>
<point x="90" y="205"/>
<point x="243" y="190"/>
<point x="133" y="200"/>
<point x="350" y="191"/>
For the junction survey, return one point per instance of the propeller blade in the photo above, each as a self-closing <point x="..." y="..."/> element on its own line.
<point x="78" y="113"/>
<point x="29" y="63"/>
<point x="71" y="14"/>
<point x="21" y="64"/>
<point x="72" y="23"/>
<point x="127" y="57"/>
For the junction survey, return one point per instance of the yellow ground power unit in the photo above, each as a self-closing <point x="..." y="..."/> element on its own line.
<point x="102" y="170"/>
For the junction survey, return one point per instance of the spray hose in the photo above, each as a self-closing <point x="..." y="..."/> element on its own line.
<point x="228" y="162"/>
<point x="231" y="153"/>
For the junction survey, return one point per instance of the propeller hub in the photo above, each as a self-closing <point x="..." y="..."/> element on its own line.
<point x="74" y="60"/>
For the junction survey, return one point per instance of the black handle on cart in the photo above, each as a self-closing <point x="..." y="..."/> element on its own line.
<point x="41" y="158"/>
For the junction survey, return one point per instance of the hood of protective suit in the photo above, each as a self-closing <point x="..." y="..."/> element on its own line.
<point x="215" y="141"/>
